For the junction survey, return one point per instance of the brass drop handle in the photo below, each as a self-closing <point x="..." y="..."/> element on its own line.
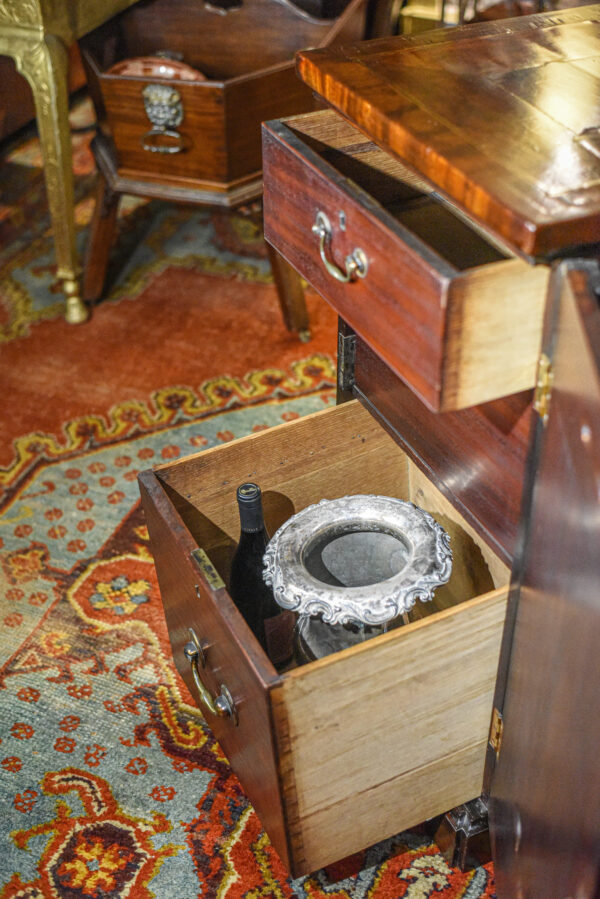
<point x="356" y="263"/>
<point x="154" y="141"/>
<point x="223" y="705"/>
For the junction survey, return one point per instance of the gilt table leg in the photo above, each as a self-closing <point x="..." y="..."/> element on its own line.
<point x="43" y="60"/>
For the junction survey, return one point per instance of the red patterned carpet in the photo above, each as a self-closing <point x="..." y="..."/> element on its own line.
<point x="111" y="784"/>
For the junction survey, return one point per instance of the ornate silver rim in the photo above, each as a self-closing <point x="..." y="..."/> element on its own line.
<point x="428" y="560"/>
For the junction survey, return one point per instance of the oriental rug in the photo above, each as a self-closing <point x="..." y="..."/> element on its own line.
<point x="111" y="783"/>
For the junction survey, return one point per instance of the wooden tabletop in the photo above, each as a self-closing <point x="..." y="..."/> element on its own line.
<point x="503" y="118"/>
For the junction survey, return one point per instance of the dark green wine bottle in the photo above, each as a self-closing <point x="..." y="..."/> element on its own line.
<point x="271" y="625"/>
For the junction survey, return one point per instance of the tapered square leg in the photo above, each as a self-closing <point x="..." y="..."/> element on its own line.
<point x="102" y="231"/>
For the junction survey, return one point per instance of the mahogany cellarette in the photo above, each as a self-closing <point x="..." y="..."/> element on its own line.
<point x="447" y="204"/>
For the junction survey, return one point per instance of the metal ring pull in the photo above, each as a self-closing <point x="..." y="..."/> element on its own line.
<point x="223" y="705"/>
<point x="153" y="141"/>
<point x="356" y="263"/>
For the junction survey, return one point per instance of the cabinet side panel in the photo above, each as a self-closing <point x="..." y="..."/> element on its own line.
<point x="234" y="658"/>
<point x="383" y="736"/>
<point x="545" y="789"/>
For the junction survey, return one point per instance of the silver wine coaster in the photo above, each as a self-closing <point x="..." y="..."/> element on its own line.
<point x="357" y="560"/>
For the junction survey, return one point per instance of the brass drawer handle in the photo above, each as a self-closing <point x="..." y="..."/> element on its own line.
<point x="223" y="705"/>
<point x="356" y="262"/>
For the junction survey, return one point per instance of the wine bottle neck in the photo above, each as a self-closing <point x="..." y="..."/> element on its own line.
<point x="250" y="506"/>
<point x="251" y="520"/>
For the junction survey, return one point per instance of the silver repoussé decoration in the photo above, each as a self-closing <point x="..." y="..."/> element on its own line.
<point x="357" y="559"/>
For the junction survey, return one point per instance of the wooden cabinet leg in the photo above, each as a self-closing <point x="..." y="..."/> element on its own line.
<point x="102" y="229"/>
<point x="291" y="295"/>
<point x="462" y="835"/>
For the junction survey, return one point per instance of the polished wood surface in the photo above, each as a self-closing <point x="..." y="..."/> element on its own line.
<point x="234" y="657"/>
<point x="222" y="43"/>
<point x="247" y="57"/>
<point x="438" y="302"/>
<point x="545" y="791"/>
<point x="503" y="118"/>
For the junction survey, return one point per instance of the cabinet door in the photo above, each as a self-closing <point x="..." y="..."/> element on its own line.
<point x="545" y="789"/>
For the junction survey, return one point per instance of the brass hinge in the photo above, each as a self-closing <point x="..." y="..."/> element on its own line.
<point x="496" y="731"/>
<point x="208" y="569"/>
<point x="543" y="388"/>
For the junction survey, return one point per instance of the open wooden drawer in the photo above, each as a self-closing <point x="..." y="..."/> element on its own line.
<point x="343" y="752"/>
<point x="456" y="317"/>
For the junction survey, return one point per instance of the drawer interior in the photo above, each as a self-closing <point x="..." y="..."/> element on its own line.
<point x="390" y="732"/>
<point x="296" y="469"/>
<point x="404" y="196"/>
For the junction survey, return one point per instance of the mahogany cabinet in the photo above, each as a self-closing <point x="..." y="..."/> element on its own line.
<point x="469" y="383"/>
<point x="199" y="140"/>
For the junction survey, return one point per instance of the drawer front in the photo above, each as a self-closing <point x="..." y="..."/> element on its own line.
<point x="398" y="306"/>
<point x="457" y="319"/>
<point x="220" y="138"/>
<point x="386" y="736"/>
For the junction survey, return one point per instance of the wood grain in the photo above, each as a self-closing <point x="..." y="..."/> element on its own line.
<point x="389" y="733"/>
<point x="489" y="114"/>
<point x="328" y="727"/>
<point x="246" y="55"/>
<point x="545" y="805"/>
<point x="439" y="302"/>
<point x="493" y="333"/>
<point x="325" y="455"/>
<point x="234" y="657"/>
<point x="476" y="457"/>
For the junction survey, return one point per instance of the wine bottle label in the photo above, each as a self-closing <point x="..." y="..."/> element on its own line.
<point x="279" y="631"/>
